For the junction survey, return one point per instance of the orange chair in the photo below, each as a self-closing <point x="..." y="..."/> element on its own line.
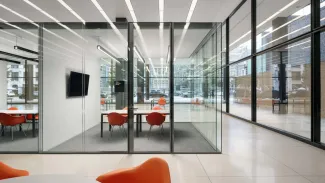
<point x="13" y="108"/>
<point x="154" y="170"/>
<point x="116" y="119"/>
<point x="29" y="117"/>
<point x="157" y="107"/>
<point x="162" y="101"/>
<point x="11" y="121"/>
<point x="7" y="172"/>
<point x="157" y="119"/>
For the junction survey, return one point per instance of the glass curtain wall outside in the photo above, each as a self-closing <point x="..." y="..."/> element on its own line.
<point x="240" y="89"/>
<point x="278" y="21"/>
<point x="63" y="109"/>
<point x="151" y="87"/>
<point x="19" y="86"/>
<point x="240" y="33"/>
<point x="196" y="119"/>
<point x="283" y="88"/>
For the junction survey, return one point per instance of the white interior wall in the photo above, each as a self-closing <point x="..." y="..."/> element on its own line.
<point x="64" y="117"/>
<point x="3" y="84"/>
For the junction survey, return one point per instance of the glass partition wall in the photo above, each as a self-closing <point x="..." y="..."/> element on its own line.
<point x="77" y="92"/>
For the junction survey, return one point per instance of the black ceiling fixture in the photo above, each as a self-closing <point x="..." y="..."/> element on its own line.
<point x="25" y="49"/>
<point x="11" y="61"/>
<point x="18" y="56"/>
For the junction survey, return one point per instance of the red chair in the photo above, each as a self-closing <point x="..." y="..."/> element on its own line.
<point x="7" y="172"/>
<point x="11" y="121"/>
<point x="154" y="170"/>
<point x="116" y="119"/>
<point x="156" y="119"/>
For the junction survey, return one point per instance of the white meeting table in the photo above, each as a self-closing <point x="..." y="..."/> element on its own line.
<point x="22" y="112"/>
<point x="136" y="112"/>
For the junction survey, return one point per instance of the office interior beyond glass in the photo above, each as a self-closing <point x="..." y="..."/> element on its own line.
<point x="72" y="86"/>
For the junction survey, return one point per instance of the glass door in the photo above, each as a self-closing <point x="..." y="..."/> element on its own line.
<point x="150" y="87"/>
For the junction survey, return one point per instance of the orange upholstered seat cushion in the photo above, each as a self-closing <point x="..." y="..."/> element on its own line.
<point x="7" y="172"/>
<point x="154" y="170"/>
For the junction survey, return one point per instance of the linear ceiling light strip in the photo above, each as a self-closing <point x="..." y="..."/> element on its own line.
<point x="188" y="19"/>
<point x="54" y="19"/>
<point x="17" y="56"/>
<point x="71" y="11"/>
<point x="100" y="9"/>
<point x="35" y="24"/>
<point x="102" y="49"/>
<point x="11" y="61"/>
<point x="34" y="35"/>
<point x="137" y="28"/>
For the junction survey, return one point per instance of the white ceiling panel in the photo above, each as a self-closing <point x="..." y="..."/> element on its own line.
<point x="176" y="11"/>
<point x="205" y="10"/>
<point x="146" y="14"/>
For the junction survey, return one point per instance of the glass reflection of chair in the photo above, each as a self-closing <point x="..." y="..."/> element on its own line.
<point x="156" y="119"/>
<point x="116" y="119"/>
<point x="7" y="120"/>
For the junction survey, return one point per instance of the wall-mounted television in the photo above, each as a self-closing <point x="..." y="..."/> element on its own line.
<point x="78" y="84"/>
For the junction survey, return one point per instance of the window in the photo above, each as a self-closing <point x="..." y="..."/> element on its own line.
<point x="278" y="21"/>
<point x="240" y="89"/>
<point x="283" y="88"/>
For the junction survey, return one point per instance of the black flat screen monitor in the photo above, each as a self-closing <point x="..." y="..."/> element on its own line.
<point x="76" y="84"/>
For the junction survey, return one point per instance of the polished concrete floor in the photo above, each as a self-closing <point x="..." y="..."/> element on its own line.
<point x="250" y="155"/>
<point x="296" y="121"/>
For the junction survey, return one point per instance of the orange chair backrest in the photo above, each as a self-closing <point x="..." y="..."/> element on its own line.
<point x="7" y="172"/>
<point x="162" y="101"/>
<point x="13" y="108"/>
<point x="116" y="119"/>
<point x="102" y="101"/>
<point x="156" y="108"/>
<point x="8" y="120"/>
<point x="154" y="170"/>
<point x="155" y="118"/>
<point x="125" y="108"/>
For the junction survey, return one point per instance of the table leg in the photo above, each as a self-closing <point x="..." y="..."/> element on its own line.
<point x="2" y="130"/>
<point x="33" y="125"/>
<point x="20" y="128"/>
<point x="137" y="125"/>
<point x="101" y="125"/>
<point x="140" y="123"/>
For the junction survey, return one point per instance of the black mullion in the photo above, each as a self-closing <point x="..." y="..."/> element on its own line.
<point x="171" y="87"/>
<point x="315" y="74"/>
<point x="227" y="68"/>
<point x="130" y="88"/>
<point x="253" y="60"/>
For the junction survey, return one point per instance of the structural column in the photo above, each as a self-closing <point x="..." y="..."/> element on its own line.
<point x="140" y="82"/>
<point x="29" y="83"/>
<point x="147" y="81"/>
